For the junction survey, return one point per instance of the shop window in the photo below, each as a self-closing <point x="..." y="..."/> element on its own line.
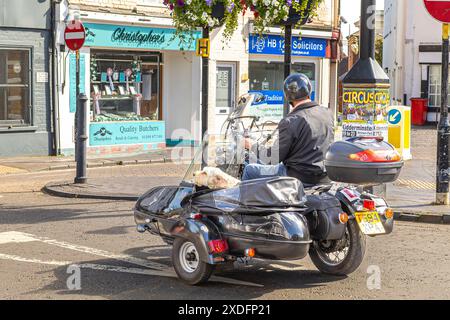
<point x="434" y="87"/>
<point x="266" y="76"/>
<point x="15" y="101"/>
<point x="125" y="87"/>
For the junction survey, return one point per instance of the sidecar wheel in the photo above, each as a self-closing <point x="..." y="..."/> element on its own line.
<point x="342" y="257"/>
<point x="187" y="264"/>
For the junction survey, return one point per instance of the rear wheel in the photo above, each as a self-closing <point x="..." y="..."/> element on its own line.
<point x="341" y="257"/>
<point x="187" y="263"/>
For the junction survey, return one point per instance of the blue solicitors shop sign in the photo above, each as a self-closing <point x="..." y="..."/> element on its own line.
<point x="118" y="36"/>
<point x="274" y="44"/>
<point x="123" y="133"/>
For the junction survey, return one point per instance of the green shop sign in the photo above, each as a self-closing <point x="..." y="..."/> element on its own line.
<point x="122" y="133"/>
<point x="133" y="37"/>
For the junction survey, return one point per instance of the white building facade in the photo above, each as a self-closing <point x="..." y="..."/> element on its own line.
<point x="412" y="54"/>
<point x="144" y="87"/>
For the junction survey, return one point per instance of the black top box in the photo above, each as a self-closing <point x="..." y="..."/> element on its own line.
<point x="363" y="161"/>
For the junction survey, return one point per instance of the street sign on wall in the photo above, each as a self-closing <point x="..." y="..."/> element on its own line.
<point x="74" y="35"/>
<point x="439" y="9"/>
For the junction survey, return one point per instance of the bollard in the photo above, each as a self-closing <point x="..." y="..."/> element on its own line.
<point x="81" y="138"/>
<point x="399" y="118"/>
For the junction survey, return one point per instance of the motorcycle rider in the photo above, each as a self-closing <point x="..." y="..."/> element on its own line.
<point x="304" y="138"/>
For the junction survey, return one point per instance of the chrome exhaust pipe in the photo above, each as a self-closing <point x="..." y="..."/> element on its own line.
<point x="141" y="228"/>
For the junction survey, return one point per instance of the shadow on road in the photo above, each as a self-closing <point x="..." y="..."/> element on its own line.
<point x="103" y="284"/>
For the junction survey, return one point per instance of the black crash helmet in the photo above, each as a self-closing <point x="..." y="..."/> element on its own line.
<point x="297" y="87"/>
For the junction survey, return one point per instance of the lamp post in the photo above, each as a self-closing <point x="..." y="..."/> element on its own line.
<point x="365" y="81"/>
<point x="218" y="12"/>
<point x="294" y="19"/>
<point x="442" y="176"/>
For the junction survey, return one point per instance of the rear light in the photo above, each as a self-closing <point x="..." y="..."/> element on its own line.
<point x="197" y="216"/>
<point x="218" y="246"/>
<point x="389" y="213"/>
<point x="343" y="218"/>
<point x="369" y="205"/>
<point x="250" y="253"/>
<point x="376" y="156"/>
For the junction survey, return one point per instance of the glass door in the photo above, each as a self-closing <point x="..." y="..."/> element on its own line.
<point x="225" y="92"/>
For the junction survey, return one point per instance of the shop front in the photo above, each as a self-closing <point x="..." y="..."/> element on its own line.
<point x="130" y="74"/>
<point x="266" y="69"/>
<point x="25" y="78"/>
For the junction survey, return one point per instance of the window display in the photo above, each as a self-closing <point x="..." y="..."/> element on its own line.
<point x="120" y="87"/>
<point x="269" y="76"/>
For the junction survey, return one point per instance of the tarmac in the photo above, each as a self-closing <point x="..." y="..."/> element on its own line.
<point x="412" y="196"/>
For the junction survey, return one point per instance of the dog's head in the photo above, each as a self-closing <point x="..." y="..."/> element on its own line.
<point x="214" y="178"/>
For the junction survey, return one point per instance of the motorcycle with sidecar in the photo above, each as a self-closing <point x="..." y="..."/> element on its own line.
<point x="274" y="218"/>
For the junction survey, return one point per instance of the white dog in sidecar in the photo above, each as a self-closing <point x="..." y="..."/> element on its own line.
<point x="214" y="179"/>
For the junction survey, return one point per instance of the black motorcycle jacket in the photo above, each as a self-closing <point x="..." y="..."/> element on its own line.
<point x="305" y="136"/>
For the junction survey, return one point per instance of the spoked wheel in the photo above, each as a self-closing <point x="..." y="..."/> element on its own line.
<point x="341" y="257"/>
<point x="187" y="263"/>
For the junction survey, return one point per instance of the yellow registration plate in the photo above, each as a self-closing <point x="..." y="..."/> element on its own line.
<point x="370" y="223"/>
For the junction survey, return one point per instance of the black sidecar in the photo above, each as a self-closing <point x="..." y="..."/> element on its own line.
<point x="263" y="215"/>
<point x="266" y="219"/>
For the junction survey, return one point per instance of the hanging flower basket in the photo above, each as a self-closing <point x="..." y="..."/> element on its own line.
<point x="281" y="12"/>
<point x="189" y="15"/>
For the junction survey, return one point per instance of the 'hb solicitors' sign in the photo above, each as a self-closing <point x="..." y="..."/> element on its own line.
<point x="439" y="9"/>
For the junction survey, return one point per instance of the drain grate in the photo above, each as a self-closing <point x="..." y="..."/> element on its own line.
<point x="415" y="184"/>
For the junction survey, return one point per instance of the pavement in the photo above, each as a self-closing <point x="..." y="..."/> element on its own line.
<point x="411" y="196"/>
<point x="37" y="164"/>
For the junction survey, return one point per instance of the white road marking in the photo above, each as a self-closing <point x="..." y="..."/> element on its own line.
<point x="21" y="259"/>
<point x="15" y="237"/>
<point x="161" y="270"/>
<point x="169" y="273"/>
<point x="286" y="268"/>
<point x="18" y="237"/>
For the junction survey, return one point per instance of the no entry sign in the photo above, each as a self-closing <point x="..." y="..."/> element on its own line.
<point x="439" y="9"/>
<point x="74" y="35"/>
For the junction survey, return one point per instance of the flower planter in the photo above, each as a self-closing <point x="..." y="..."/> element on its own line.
<point x="218" y="11"/>
<point x="295" y="18"/>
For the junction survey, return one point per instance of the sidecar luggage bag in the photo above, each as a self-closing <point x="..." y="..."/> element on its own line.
<point x="254" y="197"/>
<point x="324" y="224"/>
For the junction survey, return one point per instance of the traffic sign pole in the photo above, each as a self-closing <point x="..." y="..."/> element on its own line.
<point x="74" y="36"/>
<point x="442" y="183"/>
<point x="440" y="10"/>
<point x="205" y="92"/>
<point x="80" y="129"/>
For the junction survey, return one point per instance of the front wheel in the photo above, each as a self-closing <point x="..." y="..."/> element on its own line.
<point x="187" y="263"/>
<point x="341" y="257"/>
